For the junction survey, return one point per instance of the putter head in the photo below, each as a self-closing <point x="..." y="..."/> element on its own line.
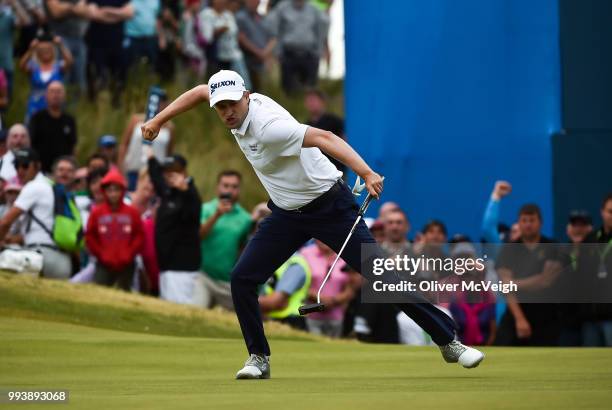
<point x="311" y="308"/>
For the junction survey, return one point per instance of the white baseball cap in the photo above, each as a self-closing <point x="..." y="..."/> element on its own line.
<point x="225" y="85"/>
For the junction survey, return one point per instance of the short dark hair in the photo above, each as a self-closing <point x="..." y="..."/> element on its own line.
<point x="531" y="209"/>
<point x="229" y="173"/>
<point x="435" y="223"/>
<point x="175" y="163"/>
<point x="94" y="175"/>
<point x="97" y="155"/>
<point x="64" y="158"/>
<point x="318" y="92"/>
<point x="399" y="210"/>
<point x="607" y="198"/>
<point x="460" y="238"/>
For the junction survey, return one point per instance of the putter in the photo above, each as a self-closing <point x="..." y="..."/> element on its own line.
<point x="320" y="307"/>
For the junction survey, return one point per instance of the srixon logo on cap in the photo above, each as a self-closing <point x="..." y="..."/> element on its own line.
<point x="226" y="83"/>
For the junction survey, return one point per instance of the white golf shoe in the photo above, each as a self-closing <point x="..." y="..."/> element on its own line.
<point x="256" y="367"/>
<point x="456" y="352"/>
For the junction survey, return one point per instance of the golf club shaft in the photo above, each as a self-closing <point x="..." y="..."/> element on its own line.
<point x="337" y="258"/>
<point x="360" y="214"/>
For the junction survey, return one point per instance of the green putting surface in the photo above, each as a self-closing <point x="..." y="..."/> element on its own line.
<point x="105" y="368"/>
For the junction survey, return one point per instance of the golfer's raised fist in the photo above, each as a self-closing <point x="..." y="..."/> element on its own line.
<point x="150" y="129"/>
<point x="502" y="188"/>
<point x="374" y="184"/>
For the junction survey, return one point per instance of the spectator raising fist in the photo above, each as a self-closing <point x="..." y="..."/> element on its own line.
<point x="502" y="188"/>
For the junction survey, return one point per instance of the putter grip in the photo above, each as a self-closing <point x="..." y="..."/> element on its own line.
<point x="366" y="203"/>
<point x="364" y="206"/>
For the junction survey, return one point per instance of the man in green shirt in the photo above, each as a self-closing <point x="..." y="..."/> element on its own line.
<point x="225" y="226"/>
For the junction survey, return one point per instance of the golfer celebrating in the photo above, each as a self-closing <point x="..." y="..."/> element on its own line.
<point x="308" y="200"/>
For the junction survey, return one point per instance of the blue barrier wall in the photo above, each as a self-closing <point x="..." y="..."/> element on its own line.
<point x="444" y="97"/>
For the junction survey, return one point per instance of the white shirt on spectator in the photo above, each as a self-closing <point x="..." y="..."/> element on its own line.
<point x="271" y="139"/>
<point x="7" y="169"/>
<point x="134" y="159"/>
<point x="227" y="43"/>
<point x="84" y="205"/>
<point x="37" y="197"/>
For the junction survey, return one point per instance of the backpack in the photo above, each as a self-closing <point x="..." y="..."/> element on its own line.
<point x="67" y="231"/>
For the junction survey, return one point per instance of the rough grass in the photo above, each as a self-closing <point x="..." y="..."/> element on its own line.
<point x="23" y="296"/>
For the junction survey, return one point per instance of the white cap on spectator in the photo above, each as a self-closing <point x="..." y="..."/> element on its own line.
<point x="225" y="85"/>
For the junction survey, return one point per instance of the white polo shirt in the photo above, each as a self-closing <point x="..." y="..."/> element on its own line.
<point x="37" y="196"/>
<point x="271" y="139"/>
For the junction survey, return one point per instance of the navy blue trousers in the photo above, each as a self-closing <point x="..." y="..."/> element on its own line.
<point x="284" y="232"/>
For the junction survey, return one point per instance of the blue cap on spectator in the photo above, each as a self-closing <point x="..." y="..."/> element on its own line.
<point x="107" y="141"/>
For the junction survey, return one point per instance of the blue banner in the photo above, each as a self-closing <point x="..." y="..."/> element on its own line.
<point x="445" y="97"/>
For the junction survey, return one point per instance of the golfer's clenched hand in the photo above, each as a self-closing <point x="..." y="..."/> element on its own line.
<point x="374" y="184"/>
<point x="150" y="129"/>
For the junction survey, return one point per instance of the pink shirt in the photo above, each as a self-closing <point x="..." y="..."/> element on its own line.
<point x="3" y="82"/>
<point x="149" y="253"/>
<point x="319" y="265"/>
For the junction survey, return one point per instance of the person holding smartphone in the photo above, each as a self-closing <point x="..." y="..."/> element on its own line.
<point x="176" y="229"/>
<point x="224" y="230"/>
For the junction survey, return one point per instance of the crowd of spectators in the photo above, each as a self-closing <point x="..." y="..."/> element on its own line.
<point x="142" y="223"/>
<point x="92" y="44"/>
